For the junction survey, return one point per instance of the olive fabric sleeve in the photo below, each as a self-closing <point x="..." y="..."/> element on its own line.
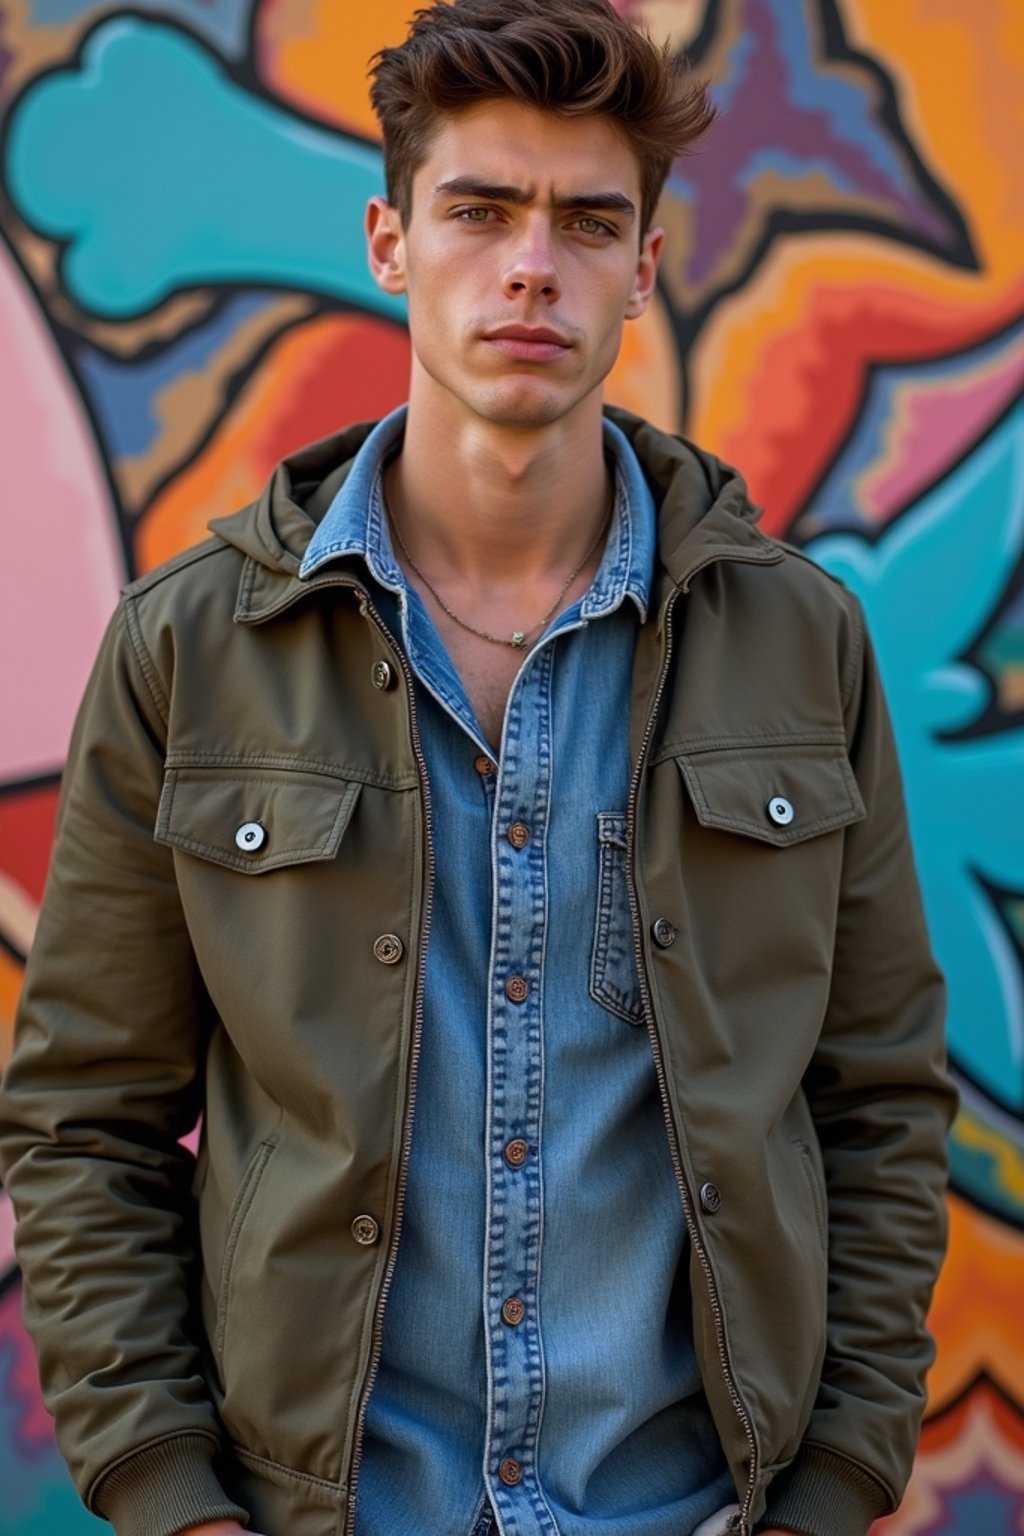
<point x="102" y="1083"/>
<point x="882" y="1102"/>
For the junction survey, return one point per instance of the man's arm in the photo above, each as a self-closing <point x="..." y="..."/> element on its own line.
<point x="102" y="1084"/>
<point x="882" y="1103"/>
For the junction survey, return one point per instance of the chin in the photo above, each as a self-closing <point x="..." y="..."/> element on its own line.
<point x="519" y="407"/>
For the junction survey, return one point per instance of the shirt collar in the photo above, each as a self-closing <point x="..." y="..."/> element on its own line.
<point x="355" y="523"/>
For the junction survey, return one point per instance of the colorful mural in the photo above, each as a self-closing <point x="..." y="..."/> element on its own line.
<point x="184" y="298"/>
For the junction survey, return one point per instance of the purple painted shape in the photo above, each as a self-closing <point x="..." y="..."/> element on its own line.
<point x="766" y="128"/>
<point x="19" y="1382"/>
<point x="984" y="1505"/>
<point x="936" y="423"/>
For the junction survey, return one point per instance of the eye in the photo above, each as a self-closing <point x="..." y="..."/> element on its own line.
<point x="473" y="215"/>
<point x="588" y="225"/>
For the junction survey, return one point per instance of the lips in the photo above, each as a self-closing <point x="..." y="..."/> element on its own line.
<point x="528" y="343"/>
<point x="533" y="333"/>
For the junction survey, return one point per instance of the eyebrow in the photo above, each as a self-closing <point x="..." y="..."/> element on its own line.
<point x="496" y="192"/>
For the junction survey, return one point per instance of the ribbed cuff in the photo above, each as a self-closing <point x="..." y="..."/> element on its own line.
<point x="823" y="1494"/>
<point x="165" y="1488"/>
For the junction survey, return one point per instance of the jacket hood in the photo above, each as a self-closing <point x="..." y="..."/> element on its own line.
<point x="704" y="513"/>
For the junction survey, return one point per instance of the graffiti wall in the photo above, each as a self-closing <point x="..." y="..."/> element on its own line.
<point x="183" y="299"/>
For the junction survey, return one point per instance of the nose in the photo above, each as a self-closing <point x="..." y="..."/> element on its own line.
<point x="531" y="271"/>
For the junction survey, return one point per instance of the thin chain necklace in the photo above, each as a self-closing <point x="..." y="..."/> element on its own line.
<point x="519" y="637"/>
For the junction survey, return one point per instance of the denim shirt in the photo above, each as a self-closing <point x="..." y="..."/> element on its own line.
<point x="537" y="1358"/>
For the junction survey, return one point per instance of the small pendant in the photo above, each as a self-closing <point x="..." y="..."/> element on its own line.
<point x="518" y="638"/>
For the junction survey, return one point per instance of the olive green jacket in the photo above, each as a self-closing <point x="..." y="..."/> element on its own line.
<point x="208" y="1331"/>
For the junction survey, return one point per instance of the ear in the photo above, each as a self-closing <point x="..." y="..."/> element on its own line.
<point x="646" y="273"/>
<point x="385" y="245"/>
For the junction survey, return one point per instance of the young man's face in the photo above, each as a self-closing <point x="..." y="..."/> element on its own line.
<point x="521" y="260"/>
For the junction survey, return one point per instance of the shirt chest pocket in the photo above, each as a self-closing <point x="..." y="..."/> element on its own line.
<point x="614" y="981"/>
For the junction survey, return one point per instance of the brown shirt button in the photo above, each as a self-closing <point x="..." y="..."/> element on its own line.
<point x="484" y="765"/>
<point x="510" y="1472"/>
<point x="513" y="1311"/>
<point x="515" y="1153"/>
<point x="519" y="834"/>
<point x="365" y="1230"/>
<point x="517" y="989"/>
<point x="382" y="675"/>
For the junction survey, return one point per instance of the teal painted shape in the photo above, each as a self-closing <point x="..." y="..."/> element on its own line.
<point x="988" y="1175"/>
<point x="161" y="174"/>
<point x="37" y="1496"/>
<point x="928" y="586"/>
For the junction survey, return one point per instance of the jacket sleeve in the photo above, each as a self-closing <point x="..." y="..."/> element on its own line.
<point x="882" y="1103"/>
<point x="102" y="1083"/>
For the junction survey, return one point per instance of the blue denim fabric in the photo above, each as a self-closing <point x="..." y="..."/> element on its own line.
<point x="596" y="1392"/>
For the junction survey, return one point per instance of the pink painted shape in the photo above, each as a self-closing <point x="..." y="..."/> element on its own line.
<point x="937" y="421"/>
<point x="6" y="1233"/>
<point x="33" y="1425"/>
<point x="62" y="560"/>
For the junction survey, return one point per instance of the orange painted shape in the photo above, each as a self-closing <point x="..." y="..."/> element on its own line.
<point x="320" y="375"/>
<point x="980" y="1438"/>
<point x="977" y="1314"/>
<point x="314" y="54"/>
<point x="781" y="378"/>
<point x="10" y="988"/>
<point x="646" y="376"/>
<point x="960" y="74"/>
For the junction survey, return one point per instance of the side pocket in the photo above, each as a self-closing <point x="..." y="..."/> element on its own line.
<point x="817" y="1192"/>
<point x="613" y="976"/>
<point x="242" y="1206"/>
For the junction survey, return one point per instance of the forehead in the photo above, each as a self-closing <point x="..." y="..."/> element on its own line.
<point x="510" y="144"/>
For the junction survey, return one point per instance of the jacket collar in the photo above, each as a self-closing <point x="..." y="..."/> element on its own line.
<point x="704" y="515"/>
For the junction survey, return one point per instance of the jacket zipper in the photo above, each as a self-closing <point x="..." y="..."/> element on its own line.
<point x="428" y="905"/>
<point x="659" y="1067"/>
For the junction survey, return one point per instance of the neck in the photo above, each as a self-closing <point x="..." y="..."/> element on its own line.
<point x="497" y="506"/>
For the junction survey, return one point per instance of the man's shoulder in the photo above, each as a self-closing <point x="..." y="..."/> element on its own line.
<point x="198" y="564"/>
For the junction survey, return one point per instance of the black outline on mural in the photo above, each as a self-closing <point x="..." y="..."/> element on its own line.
<point x="80" y="395"/>
<point x="993" y="720"/>
<point x="995" y="1117"/>
<point x="243" y="375"/>
<point x="241" y="74"/>
<point x="830" y="38"/>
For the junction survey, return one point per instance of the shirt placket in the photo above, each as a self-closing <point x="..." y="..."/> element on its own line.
<point x="515" y="1069"/>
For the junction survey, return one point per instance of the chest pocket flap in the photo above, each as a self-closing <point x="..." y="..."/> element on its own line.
<point x="254" y="819"/>
<point x="779" y="794"/>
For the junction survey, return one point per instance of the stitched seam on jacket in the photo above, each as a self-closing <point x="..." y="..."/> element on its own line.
<point x="212" y="545"/>
<point x="251" y="1180"/>
<point x="246" y="863"/>
<point x="145" y="661"/>
<point x="250" y="1457"/>
<point x="860" y="635"/>
<point x="691" y="745"/>
<point x="288" y="762"/>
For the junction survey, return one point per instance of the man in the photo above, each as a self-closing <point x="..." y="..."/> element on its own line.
<point x="500" y="841"/>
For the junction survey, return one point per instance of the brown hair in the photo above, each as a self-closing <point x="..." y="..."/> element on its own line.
<point x="565" y="56"/>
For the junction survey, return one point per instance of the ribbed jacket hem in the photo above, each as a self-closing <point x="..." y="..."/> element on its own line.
<point x="824" y="1494"/>
<point x="165" y="1488"/>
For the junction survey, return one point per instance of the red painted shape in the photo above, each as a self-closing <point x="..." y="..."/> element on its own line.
<point x="26" y="834"/>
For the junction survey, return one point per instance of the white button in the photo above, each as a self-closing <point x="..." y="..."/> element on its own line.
<point x="250" y="837"/>
<point x="780" y="810"/>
